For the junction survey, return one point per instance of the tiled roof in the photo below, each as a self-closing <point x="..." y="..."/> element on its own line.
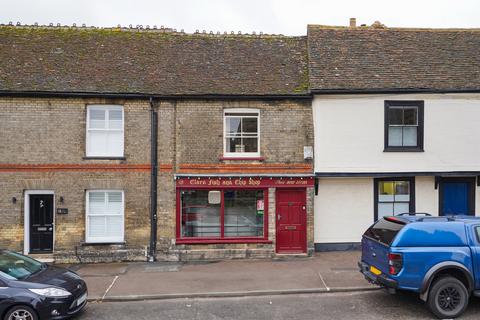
<point x="367" y="58"/>
<point x="159" y="62"/>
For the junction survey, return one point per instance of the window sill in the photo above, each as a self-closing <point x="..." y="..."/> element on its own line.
<point x="88" y="244"/>
<point x="221" y="241"/>
<point x="104" y="158"/>
<point x="391" y="149"/>
<point x="223" y="158"/>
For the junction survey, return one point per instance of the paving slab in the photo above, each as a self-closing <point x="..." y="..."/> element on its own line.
<point x="97" y="286"/>
<point x="101" y="269"/>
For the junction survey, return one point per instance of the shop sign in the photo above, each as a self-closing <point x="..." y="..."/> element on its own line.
<point x="245" y="182"/>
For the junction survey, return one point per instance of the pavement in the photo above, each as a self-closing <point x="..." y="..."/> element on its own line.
<point x="322" y="273"/>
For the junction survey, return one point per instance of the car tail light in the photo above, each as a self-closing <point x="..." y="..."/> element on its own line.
<point x="395" y="262"/>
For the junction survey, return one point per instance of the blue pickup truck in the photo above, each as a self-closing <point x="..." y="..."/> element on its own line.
<point x="437" y="257"/>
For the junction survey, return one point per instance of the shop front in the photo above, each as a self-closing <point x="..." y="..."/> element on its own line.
<point x="268" y="213"/>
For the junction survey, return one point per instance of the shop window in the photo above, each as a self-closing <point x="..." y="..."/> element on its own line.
<point x="242" y="133"/>
<point x="403" y="125"/>
<point x="105" y="216"/>
<point x="222" y="213"/>
<point x="104" y="131"/>
<point x="394" y="196"/>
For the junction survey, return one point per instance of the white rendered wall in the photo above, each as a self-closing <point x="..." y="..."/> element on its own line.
<point x="349" y="134"/>
<point x="426" y="197"/>
<point x="343" y="209"/>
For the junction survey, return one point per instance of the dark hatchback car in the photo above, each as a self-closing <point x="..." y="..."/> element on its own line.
<point x="31" y="290"/>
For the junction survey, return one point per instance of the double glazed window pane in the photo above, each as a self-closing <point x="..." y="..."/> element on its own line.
<point x="404" y="116"/>
<point x="241" y="133"/>
<point x="97" y="119"/>
<point x="242" y="219"/>
<point x="402" y="126"/>
<point x="392" y="208"/>
<point x="402" y="136"/>
<point x="199" y="217"/>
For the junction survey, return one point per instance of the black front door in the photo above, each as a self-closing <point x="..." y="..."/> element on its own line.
<point x="41" y="223"/>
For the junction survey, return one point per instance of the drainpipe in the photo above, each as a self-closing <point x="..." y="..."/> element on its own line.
<point x="153" y="183"/>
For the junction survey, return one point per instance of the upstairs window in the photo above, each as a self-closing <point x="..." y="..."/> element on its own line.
<point x="104" y="131"/>
<point x="242" y="133"/>
<point x="403" y="125"/>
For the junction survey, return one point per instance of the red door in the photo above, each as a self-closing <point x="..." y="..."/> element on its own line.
<point x="291" y="221"/>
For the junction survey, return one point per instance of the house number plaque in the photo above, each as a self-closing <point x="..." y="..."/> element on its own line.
<point x="62" y="210"/>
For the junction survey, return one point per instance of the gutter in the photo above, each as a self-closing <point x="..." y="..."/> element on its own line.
<point x="388" y="90"/>
<point x="153" y="183"/>
<point x="119" y="95"/>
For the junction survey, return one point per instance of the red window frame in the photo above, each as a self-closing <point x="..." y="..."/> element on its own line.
<point x="222" y="238"/>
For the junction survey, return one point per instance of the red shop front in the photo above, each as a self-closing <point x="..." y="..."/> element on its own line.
<point x="268" y="210"/>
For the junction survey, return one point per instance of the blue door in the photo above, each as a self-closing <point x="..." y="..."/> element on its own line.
<point x="457" y="196"/>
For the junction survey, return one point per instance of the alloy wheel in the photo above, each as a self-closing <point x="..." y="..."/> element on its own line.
<point x="449" y="299"/>
<point x="21" y="314"/>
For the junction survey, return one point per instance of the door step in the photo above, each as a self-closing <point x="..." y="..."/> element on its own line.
<point x="42" y="257"/>
<point x="285" y="256"/>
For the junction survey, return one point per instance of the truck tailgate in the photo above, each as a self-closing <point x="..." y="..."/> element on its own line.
<point x="376" y="242"/>
<point x="375" y="254"/>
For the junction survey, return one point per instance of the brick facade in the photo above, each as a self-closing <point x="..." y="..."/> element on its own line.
<point x="44" y="149"/>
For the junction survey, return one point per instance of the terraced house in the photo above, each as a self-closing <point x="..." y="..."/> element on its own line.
<point x="122" y="144"/>
<point x="397" y="129"/>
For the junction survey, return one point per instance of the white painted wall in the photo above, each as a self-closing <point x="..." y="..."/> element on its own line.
<point x="426" y="197"/>
<point x="343" y="209"/>
<point x="349" y="134"/>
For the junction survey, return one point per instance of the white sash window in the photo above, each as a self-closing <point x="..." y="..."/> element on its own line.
<point x="241" y="133"/>
<point x="105" y="216"/>
<point x="104" y="131"/>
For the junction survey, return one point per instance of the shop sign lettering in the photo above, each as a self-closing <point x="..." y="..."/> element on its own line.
<point x="244" y="182"/>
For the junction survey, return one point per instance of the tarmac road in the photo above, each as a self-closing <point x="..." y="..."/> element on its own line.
<point x="360" y="305"/>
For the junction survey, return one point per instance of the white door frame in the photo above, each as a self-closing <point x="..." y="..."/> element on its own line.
<point x="26" y="216"/>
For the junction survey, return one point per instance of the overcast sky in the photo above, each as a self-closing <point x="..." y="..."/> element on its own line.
<point x="288" y="17"/>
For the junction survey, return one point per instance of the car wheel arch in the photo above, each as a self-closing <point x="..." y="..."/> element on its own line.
<point x="441" y="268"/>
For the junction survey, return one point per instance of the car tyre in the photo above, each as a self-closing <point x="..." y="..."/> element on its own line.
<point x="448" y="298"/>
<point x="21" y="312"/>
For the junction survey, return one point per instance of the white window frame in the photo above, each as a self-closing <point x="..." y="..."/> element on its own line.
<point x="104" y="107"/>
<point x="255" y="114"/>
<point x="117" y="239"/>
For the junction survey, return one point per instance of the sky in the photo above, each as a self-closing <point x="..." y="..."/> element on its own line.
<point x="288" y="17"/>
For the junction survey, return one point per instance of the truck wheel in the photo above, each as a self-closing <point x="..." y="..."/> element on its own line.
<point x="448" y="298"/>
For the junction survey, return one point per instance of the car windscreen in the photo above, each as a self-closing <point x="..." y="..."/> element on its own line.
<point x="17" y="266"/>
<point x="384" y="230"/>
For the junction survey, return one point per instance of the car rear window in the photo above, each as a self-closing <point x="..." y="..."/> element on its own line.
<point x="385" y="230"/>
